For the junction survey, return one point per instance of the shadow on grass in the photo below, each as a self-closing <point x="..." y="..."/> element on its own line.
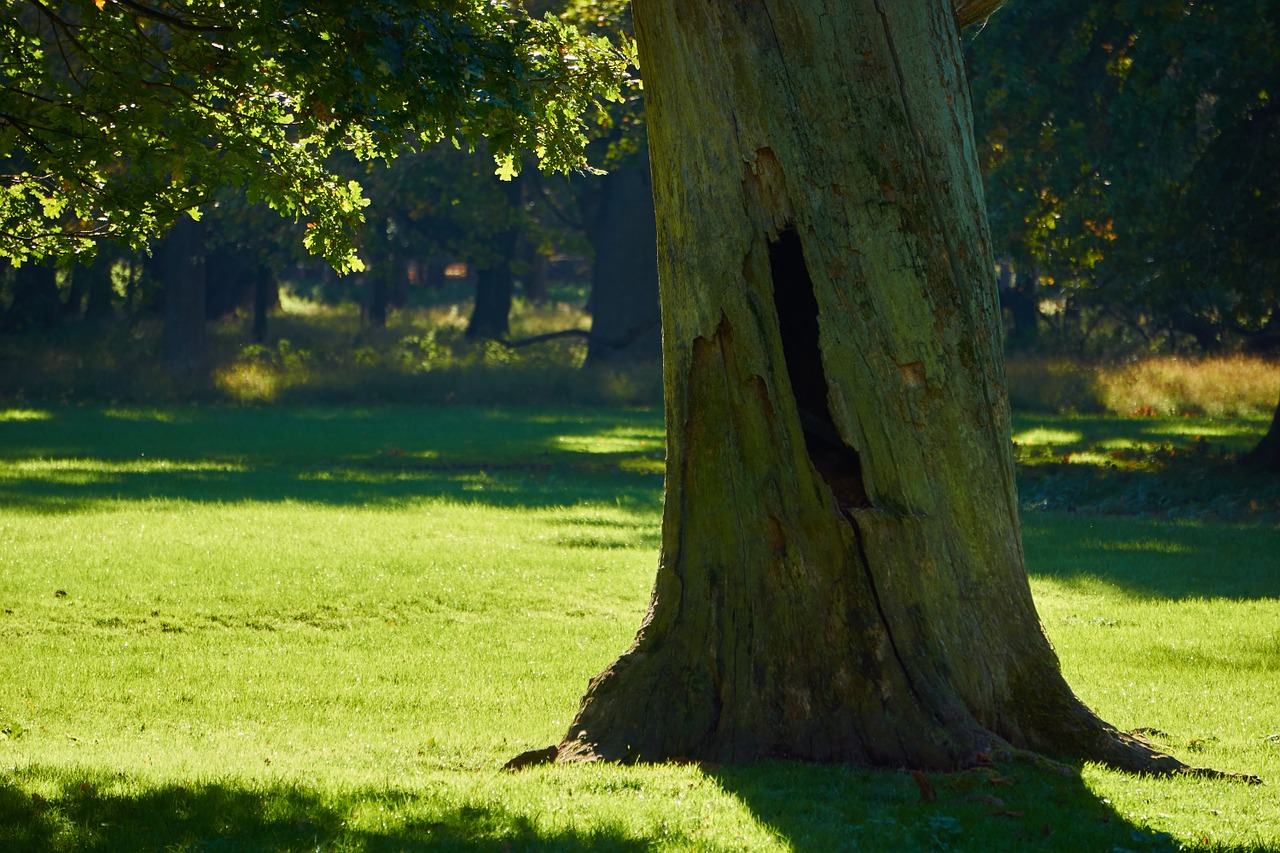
<point x="1154" y="558"/>
<point x="63" y="460"/>
<point x="1013" y="807"/>
<point x="806" y="807"/>
<point x="216" y="817"/>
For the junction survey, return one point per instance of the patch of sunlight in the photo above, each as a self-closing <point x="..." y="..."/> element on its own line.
<point x="1126" y="444"/>
<point x="87" y="470"/>
<point x="1044" y="435"/>
<point x="1247" y="428"/>
<point x="291" y="303"/>
<point x="643" y="466"/>
<point x="166" y="416"/>
<point x="629" y="441"/>
<point x="1158" y="546"/>
<point x="1088" y="457"/>
<point x="25" y="415"/>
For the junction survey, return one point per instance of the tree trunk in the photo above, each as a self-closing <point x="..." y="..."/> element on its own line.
<point x="625" y="315"/>
<point x="377" y="284"/>
<point x="495" y="284"/>
<point x="180" y="262"/>
<point x="99" y="292"/>
<point x="1017" y="287"/>
<point x="36" y="303"/>
<point x="266" y="295"/>
<point x="1266" y="455"/>
<point x="842" y="574"/>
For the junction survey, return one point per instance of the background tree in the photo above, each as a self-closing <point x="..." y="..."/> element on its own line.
<point x="115" y="117"/>
<point x="1130" y="154"/>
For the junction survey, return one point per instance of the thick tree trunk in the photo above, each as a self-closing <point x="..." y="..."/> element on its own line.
<point x="625" y="316"/>
<point x="180" y="263"/>
<point x="1266" y="455"/>
<point x="842" y="575"/>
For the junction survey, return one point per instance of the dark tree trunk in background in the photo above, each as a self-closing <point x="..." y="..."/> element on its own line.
<point x="1266" y="455"/>
<point x="36" y="304"/>
<point x="625" y="316"/>
<point x="1021" y="305"/>
<point x="842" y="575"/>
<point x="180" y="266"/>
<point x="399" y="296"/>
<point x="266" y="295"/>
<point x="377" y="289"/>
<point x="537" y="271"/>
<point x="99" y="291"/>
<point x="495" y="283"/>
<point x="433" y="274"/>
<point x="490" y="320"/>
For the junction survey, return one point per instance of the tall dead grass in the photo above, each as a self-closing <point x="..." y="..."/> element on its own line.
<point x="1162" y="385"/>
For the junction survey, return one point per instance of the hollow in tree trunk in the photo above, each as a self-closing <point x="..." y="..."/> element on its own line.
<point x="841" y="575"/>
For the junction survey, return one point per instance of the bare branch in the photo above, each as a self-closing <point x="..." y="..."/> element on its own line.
<point x="970" y="12"/>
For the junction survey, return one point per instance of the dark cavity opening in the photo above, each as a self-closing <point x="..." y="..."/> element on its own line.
<point x="797" y="308"/>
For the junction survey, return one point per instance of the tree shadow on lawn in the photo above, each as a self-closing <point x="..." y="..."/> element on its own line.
<point x="1014" y="806"/>
<point x="808" y="807"/>
<point x="211" y="817"/>
<point x="60" y="462"/>
<point x="1154" y="558"/>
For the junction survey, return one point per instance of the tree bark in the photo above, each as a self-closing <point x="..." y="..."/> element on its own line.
<point x="625" y="315"/>
<point x="842" y="575"/>
<point x="1266" y="454"/>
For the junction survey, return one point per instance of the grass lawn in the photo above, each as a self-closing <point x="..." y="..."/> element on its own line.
<point x="326" y="629"/>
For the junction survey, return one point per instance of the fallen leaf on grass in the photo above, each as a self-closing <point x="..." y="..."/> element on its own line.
<point x="927" y="792"/>
<point x="1000" y="780"/>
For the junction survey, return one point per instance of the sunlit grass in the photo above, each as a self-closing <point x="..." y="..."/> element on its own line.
<point x="1237" y="385"/>
<point x="1041" y="435"/>
<point x="336" y="641"/>
<point x="24" y="415"/>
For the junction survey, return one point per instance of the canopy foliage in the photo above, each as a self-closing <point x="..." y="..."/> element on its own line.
<point x="116" y="116"/>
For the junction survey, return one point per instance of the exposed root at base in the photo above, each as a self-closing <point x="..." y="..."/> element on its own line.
<point x="532" y="758"/>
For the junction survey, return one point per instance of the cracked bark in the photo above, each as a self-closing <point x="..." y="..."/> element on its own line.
<point x="842" y="575"/>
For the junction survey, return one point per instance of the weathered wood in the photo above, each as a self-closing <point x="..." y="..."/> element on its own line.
<point x="842" y="575"/>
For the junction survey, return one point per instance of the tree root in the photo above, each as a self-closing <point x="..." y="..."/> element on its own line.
<point x="532" y="758"/>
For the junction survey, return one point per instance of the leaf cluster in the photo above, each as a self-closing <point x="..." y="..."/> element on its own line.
<point x="1130" y="148"/>
<point x="116" y="116"/>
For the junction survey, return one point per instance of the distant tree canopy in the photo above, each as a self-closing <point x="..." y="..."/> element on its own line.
<point x="1132" y="150"/>
<point x="117" y="116"/>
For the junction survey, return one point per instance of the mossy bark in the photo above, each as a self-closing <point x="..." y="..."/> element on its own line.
<point x="842" y="574"/>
